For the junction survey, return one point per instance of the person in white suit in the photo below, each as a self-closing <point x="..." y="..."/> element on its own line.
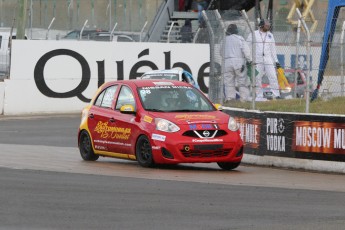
<point x="237" y="53"/>
<point x="266" y="59"/>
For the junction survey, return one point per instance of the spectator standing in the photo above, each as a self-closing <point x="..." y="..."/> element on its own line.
<point x="186" y="32"/>
<point x="266" y="59"/>
<point x="237" y="53"/>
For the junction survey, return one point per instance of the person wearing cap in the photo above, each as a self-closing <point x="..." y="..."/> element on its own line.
<point x="237" y="53"/>
<point x="266" y="59"/>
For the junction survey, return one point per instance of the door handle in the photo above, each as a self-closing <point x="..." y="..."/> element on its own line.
<point x="112" y="120"/>
<point x="91" y="115"/>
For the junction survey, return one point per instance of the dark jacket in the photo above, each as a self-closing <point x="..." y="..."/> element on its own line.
<point x="186" y="32"/>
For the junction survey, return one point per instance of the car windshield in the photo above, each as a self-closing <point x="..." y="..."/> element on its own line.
<point x="168" y="76"/>
<point x="170" y="98"/>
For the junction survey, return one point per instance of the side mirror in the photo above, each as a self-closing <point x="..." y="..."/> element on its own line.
<point x="218" y="107"/>
<point x="127" y="109"/>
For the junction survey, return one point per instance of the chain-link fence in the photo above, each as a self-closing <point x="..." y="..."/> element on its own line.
<point x="132" y="16"/>
<point x="128" y="20"/>
<point x="292" y="45"/>
<point x="129" y="15"/>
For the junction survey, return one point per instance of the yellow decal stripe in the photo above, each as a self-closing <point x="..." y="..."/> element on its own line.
<point x="117" y="155"/>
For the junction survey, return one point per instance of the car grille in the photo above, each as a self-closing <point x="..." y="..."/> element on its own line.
<point x="205" y="151"/>
<point x="207" y="147"/>
<point x="201" y="134"/>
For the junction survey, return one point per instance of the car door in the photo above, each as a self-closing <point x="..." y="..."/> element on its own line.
<point x="123" y="125"/>
<point x="98" y="118"/>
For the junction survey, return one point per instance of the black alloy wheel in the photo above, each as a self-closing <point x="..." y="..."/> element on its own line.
<point x="143" y="152"/>
<point x="85" y="147"/>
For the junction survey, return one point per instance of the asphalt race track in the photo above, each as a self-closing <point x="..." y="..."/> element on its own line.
<point x="46" y="185"/>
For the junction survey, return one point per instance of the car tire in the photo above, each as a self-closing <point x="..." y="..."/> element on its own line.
<point x="228" y="165"/>
<point x="85" y="147"/>
<point x="143" y="152"/>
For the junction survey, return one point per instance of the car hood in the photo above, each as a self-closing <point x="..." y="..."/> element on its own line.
<point x="181" y="118"/>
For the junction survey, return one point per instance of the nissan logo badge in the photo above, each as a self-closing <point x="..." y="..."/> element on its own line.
<point x="206" y="133"/>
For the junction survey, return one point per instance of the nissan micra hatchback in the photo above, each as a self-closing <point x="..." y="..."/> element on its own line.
<point x="158" y="122"/>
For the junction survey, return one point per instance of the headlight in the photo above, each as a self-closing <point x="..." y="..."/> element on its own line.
<point x="166" y="126"/>
<point x="233" y="125"/>
<point x="286" y="90"/>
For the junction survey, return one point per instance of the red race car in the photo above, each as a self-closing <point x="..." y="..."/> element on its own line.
<point x="158" y="122"/>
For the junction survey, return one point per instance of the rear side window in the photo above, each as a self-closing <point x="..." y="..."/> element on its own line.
<point x="106" y="97"/>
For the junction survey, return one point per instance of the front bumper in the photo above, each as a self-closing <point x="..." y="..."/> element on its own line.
<point x="194" y="150"/>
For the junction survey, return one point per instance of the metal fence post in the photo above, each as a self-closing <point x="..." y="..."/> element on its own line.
<point x="342" y="59"/>
<point x="308" y="90"/>
<point x="170" y="29"/>
<point x="297" y="53"/>
<point x="253" y="83"/>
<point x="50" y="25"/>
<point x="213" y="83"/>
<point x="221" y="80"/>
<point x="142" y="31"/>
<point x="82" y="29"/>
<point x="112" y="32"/>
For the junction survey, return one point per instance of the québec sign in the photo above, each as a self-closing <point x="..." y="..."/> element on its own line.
<point x="119" y="61"/>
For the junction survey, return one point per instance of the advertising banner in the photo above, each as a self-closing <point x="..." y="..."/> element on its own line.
<point x="318" y="137"/>
<point x="61" y="76"/>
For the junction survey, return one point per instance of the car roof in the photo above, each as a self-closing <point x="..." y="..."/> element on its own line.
<point x="171" y="71"/>
<point x="106" y="36"/>
<point x="87" y="31"/>
<point x="148" y="83"/>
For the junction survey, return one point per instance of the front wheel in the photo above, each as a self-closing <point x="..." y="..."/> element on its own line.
<point x="143" y="152"/>
<point x="228" y="165"/>
<point x="85" y="147"/>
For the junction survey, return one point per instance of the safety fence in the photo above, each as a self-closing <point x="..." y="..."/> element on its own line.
<point x="98" y="20"/>
<point x="298" y="52"/>
<point x="67" y="15"/>
<point x="292" y="44"/>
